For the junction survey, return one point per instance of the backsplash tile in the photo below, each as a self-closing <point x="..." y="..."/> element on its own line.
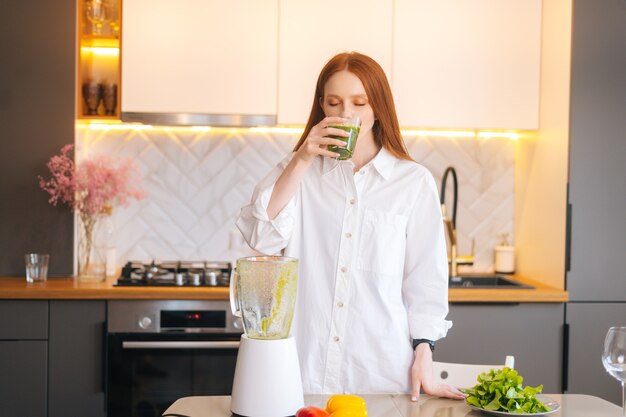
<point x="198" y="180"/>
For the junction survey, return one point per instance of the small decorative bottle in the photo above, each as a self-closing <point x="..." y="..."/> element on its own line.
<point x="504" y="256"/>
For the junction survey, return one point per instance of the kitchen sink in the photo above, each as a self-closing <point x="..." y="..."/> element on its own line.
<point x="486" y="281"/>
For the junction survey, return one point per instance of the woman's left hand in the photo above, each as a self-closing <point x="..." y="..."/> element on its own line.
<point x="422" y="377"/>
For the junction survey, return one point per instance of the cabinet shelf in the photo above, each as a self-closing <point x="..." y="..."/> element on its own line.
<point x="90" y="41"/>
<point x="98" y="118"/>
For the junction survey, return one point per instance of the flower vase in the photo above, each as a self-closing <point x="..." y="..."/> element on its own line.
<point x="91" y="260"/>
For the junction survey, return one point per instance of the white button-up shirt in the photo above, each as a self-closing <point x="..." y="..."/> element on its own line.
<point x="373" y="269"/>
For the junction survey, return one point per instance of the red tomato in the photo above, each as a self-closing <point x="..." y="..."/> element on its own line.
<point x="311" y="412"/>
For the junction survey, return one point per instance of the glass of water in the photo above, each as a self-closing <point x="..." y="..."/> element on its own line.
<point x="36" y="267"/>
<point x="614" y="357"/>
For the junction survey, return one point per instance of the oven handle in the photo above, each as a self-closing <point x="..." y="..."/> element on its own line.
<point x="180" y="345"/>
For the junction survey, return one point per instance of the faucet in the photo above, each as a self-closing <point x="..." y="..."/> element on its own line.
<point x="450" y="224"/>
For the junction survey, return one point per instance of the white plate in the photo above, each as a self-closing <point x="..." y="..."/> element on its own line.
<point x="547" y="401"/>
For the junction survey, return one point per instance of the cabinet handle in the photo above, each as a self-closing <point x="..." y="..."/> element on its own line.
<point x="568" y="238"/>
<point x="105" y="361"/>
<point x="565" y="364"/>
<point x="180" y="345"/>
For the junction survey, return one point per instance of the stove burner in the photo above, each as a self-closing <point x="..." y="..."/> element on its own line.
<point x="176" y="273"/>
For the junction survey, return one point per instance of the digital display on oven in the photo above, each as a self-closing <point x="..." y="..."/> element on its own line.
<point x="194" y="319"/>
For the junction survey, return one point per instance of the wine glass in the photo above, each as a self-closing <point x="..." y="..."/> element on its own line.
<point x="113" y="15"/>
<point x="95" y="13"/>
<point x="614" y="357"/>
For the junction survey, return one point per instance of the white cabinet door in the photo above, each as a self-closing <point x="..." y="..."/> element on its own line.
<point x="200" y="56"/>
<point x="467" y="63"/>
<point x="311" y="32"/>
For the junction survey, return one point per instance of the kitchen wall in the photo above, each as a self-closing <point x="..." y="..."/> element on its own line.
<point x="37" y="118"/>
<point x="542" y="163"/>
<point x="198" y="179"/>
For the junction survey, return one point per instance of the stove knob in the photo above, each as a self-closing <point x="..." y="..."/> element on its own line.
<point x="212" y="279"/>
<point x="195" y="279"/>
<point x="145" y="322"/>
<point x="180" y="279"/>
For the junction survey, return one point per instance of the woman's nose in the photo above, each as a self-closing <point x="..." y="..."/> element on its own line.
<point x="347" y="111"/>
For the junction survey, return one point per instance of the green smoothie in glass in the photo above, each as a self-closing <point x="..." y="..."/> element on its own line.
<point x="352" y="125"/>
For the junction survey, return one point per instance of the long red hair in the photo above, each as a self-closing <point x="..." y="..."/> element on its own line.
<point x="386" y="129"/>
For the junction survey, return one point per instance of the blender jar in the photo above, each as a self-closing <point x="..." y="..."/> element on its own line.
<point x="263" y="294"/>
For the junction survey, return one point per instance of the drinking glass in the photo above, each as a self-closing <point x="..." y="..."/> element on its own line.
<point x="36" y="267"/>
<point x="109" y="97"/>
<point x="614" y="357"/>
<point x="352" y="125"/>
<point x="92" y="95"/>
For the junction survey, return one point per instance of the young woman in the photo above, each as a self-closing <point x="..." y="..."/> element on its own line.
<point x="372" y="288"/>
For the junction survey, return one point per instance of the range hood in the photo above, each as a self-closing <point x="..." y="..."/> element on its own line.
<point x="199" y="62"/>
<point x="199" y="119"/>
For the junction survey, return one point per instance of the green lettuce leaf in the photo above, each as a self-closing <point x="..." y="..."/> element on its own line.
<point x="502" y="390"/>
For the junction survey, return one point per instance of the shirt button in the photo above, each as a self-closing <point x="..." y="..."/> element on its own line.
<point x="362" y="172"/>
<point x="348" y="235"/>
<point x="352" y="201"/>
<point x="344" y="269"/>
<point x="336" y="338"/>
<point x="340" y="304"/>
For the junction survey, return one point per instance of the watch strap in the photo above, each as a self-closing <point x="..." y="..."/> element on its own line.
<point x="431" y="343"/>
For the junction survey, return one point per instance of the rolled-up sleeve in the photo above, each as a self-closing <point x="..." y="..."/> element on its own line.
<point x="425" y="284"/>
<point x="265" y="235"/>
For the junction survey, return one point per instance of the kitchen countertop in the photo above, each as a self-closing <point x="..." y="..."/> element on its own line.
<point x="66" y="288"/>
<point x="572" y="405"/>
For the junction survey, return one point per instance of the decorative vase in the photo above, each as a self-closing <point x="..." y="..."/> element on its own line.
<point x="91" y="260"/>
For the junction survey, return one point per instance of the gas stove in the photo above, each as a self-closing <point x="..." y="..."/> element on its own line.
<point x="176" y="274"/>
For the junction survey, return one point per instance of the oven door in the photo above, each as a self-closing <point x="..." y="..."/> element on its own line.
<point x="147" y="372"/>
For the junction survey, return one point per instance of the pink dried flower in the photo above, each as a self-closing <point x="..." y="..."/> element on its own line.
<point x="93" y="184"/>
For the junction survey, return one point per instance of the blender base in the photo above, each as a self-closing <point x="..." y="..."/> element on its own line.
<point x="267" y="379"/>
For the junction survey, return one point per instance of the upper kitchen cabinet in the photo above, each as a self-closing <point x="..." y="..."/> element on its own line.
<point x="467" y="64"/>
<point x="200" y="61"/>
<point x="312" y="32"/>
<point x="98" y="58"/>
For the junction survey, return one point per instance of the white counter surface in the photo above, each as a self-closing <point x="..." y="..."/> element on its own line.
<point x="572" y="405"/>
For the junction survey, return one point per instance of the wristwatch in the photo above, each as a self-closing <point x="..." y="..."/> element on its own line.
<point x="431" y="344"/>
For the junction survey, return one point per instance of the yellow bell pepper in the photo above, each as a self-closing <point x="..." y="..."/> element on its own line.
<point x="346" y="406"/>
<point x="349" y="412"/>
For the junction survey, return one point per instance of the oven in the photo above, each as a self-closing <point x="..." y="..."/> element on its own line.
<point x="161" y="350"/>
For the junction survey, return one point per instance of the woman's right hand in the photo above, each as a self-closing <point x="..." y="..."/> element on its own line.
<point x="319" y="138"/>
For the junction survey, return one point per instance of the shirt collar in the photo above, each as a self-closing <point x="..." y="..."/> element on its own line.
<point x="383" y="162"/>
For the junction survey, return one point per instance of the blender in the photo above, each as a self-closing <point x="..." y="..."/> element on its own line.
<point x="267" y="379"/>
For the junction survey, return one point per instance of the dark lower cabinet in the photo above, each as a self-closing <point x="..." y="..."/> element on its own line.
<point x="588" y="324"/>
<point x="23" y="372"/>
<point x="23" y="358"/>
<point x="486" y="333"/>
<point x="51" y="358"/>
<point x="76" y="378"/>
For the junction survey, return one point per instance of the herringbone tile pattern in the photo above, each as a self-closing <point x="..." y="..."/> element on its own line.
<point x="198" y="180"/>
